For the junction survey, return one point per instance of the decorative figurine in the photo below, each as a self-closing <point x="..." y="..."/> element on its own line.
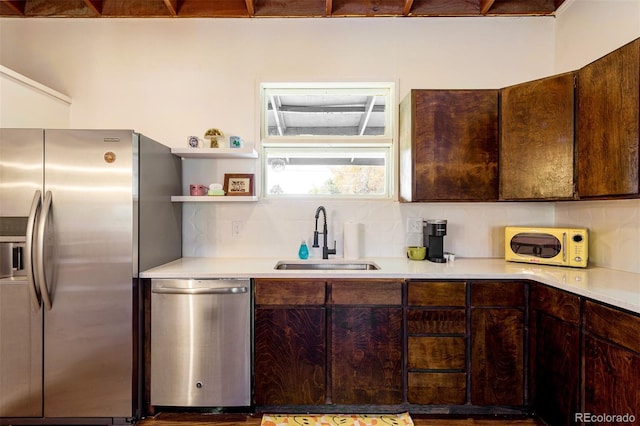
<point x="213" y="135"/>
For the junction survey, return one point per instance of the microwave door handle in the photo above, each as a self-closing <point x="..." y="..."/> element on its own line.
<point x="34" y="212"/>
<point x="42" y="225"/>
<point x="199" y="291"/>
<point x="564" y="247"/>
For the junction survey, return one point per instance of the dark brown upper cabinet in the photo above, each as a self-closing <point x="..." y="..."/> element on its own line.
<point x="449" y="145"/>
<point x="608" y="124"/>
<point x="537" y="139"/>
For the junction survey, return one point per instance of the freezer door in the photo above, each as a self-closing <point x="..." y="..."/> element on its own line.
<point x="20" y="351"/>
<point x="21" y="175"/>
<point x="21" y="156"/>
<point x="88" y="341"/>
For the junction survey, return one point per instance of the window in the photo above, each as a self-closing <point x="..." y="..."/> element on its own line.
<point x="329" y="140"/>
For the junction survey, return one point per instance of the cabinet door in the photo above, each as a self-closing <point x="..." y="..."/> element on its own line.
<point x="537" y="139"/>
<point x="290" y="356"/>
<point x="497" y="343"/>
<point x="611" y="378"/>
<point x="554" y="354"/>
<point x="611" y="360"/>
<point x="366" y="355"/>
<point x="451" y="137"/>
<point x="289" y="342"/>
<point x="556" y="370"/>
<point x="608" y="124"/>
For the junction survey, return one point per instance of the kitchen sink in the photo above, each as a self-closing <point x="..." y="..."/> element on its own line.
<point x="327" y="266"/>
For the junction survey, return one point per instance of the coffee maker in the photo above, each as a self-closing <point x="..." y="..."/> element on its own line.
<point x="434" y="231"/>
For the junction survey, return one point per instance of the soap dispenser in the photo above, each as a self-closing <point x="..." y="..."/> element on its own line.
<point x="303" y="252"/>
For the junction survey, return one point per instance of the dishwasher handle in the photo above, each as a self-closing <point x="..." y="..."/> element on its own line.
<point x="199" y="291"/>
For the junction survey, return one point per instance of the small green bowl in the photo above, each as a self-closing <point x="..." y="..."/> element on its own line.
<point x="417" y="253"/>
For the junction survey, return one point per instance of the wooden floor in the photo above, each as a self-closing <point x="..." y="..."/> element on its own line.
<point x="167" y="419"/>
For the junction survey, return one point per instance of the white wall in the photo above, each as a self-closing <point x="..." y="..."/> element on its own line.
<point x="27" y="103"/>
<point x="585" y="31"/>
<point x="170" y="78"/>
<point x="589" y="29"/>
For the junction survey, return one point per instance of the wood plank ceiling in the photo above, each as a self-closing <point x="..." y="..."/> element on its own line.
<point x="273" y="8"/>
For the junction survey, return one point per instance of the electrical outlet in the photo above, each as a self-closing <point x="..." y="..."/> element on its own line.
<point x="236" y="228"/>
<point x="414" y="224"/>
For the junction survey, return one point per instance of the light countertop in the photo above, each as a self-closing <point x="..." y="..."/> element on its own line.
<point x="617" y="288"/>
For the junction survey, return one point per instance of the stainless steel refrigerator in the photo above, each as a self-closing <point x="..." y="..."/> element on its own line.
<point x="81" y="213"/>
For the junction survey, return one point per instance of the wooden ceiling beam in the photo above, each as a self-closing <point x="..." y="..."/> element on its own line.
<point x="251" y="9"/>
<point x="274" y="8"/>
<point x="95" y="6"/>
<point x="16" y="6"/>
<point x="406" y="9"/>
<point x="173" y="6"/>
<point x="485" y="5"/>
<point x="328" y="7"/>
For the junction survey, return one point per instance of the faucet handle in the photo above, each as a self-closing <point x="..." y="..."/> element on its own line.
<point x="333" y="250"/>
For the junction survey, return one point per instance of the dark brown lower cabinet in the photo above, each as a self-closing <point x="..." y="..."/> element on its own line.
<point x="611" y="362"/>
<point x="437" y="370"/>
<point x="342" y="342"/>
<point x="554" y="354"/>
<point x="318" y="342"/>
<point x="437" y="388"/>
<point x="366" y="355"/>
<point x="497" y="343"/>
<point x="366" y="342"/>
<point x="436" y="342"/>
<point x="290" y="342"/>
<point x="290" y="356"/>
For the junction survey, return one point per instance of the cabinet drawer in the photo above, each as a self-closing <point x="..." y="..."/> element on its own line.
<point x="289" y="292"/>
<point x="436" y="321"/>
<point x="370" y="292"/>
<point x="502" y="293"/>
<point x="437" y="388"/>
<point x="613" y="325"/>
<point x="437" y="293"/>
<point x="437" y="353"/>
<point x="560" y="304"/>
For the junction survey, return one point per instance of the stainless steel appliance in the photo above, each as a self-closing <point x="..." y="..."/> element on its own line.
<point x="95" y="209"/>
<point x="200" y="343"/>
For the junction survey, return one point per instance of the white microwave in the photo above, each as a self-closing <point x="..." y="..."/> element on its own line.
<point x="548" y="246"/>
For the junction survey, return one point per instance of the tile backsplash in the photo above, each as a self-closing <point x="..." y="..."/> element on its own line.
<point x="614" y="230"/>
<point x="275" y="228"/>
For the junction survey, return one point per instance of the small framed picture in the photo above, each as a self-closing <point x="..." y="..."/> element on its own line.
<point x="238" y="184"/>
<point x="235" y="142"/>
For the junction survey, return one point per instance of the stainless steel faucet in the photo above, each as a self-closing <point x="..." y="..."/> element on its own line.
<point x="326" y="251"/>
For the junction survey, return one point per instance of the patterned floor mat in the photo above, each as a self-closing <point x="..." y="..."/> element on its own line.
<point x="337" y="420"/>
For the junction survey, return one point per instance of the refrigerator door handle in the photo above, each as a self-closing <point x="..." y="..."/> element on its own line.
<point x="196" y="291"/>
<point x="42" y="225"/>
<point x="34" y="212"/>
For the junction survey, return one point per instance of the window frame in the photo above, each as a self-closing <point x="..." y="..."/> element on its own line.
<point x="339" y="142"/>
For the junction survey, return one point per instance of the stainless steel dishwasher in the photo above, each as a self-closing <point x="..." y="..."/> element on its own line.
<point x="200" y="343"/>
